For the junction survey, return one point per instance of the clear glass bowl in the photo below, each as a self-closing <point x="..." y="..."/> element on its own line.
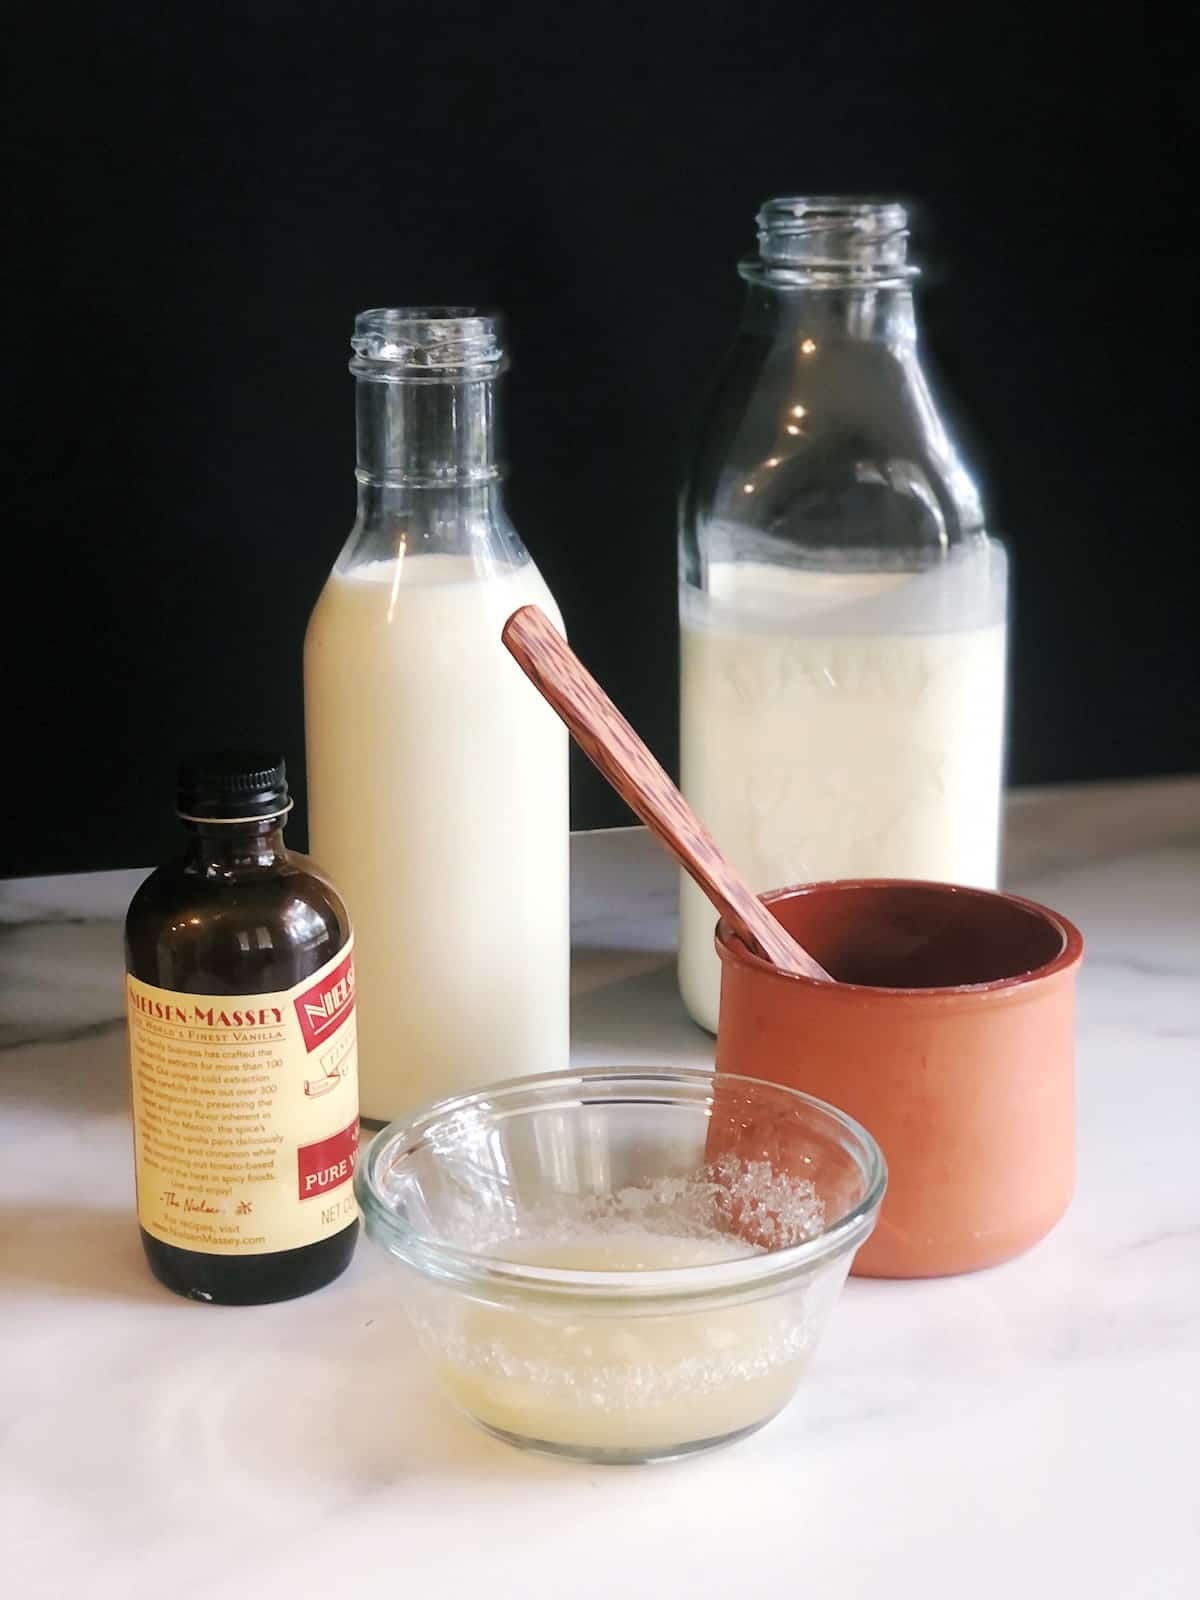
<point x="622" y="1264"/>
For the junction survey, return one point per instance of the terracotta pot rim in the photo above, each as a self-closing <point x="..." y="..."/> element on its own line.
<point x="731" y="948"/>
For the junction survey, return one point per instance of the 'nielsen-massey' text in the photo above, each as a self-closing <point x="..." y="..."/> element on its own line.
<point x="208" y="1016"/>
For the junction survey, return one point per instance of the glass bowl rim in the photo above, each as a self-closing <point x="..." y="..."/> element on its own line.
<point x="759" y="1273"/>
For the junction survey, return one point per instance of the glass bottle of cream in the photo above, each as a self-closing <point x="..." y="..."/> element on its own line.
<point x="437" y="778"/>
<point x="842" y="608"/>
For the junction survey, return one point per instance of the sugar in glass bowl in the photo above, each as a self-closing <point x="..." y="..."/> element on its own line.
<point x="622" y="1264"/>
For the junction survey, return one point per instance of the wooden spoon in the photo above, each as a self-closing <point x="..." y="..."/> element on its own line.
<point x="605" y="737"/>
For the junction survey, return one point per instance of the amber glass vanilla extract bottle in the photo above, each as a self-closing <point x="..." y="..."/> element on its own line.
<point x="240" y="995"/>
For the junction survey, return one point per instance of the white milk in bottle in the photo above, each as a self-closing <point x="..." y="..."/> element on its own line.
<point x="437" y="776"/>
<point x="836" y="726"/>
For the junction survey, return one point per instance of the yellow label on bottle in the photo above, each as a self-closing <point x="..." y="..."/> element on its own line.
<point x="245" y="1113"/>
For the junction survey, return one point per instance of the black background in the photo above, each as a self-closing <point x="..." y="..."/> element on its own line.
<point x="206" y="194"/>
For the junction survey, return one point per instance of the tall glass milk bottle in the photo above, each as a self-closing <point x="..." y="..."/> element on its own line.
<point x="437" y="779"/>
<point x="842" y="608"/>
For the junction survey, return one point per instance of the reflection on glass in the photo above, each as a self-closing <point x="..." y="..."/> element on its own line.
<point x="303" y="924"/>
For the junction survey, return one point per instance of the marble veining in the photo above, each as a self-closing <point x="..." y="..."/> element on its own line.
<point x="1027" y="1431"/>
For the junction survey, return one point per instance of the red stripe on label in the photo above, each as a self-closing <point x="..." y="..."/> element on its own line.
<point x="325" y="1006"/>
<point x="328" y="1163"/>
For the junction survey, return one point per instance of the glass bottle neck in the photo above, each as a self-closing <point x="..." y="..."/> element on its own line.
<point x="426" y="434"/>
<point x="221" y="849"/>
<point x="429" y="463"/>
<point x="832" y="267"/>
<point x="876" y="313"/>
<point x="428" y="453"/>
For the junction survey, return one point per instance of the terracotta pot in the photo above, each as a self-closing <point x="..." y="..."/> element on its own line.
<point x="949" y="1036"/>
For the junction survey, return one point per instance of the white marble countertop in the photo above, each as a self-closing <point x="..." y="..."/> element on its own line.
<point x="1029" y="1431"/>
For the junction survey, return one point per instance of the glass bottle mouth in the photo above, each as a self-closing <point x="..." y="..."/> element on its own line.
<point x="832" y="241"/>
<point x="429" y="344"/>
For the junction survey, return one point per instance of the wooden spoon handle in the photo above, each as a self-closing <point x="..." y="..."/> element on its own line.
<point x="603" y="734"/>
